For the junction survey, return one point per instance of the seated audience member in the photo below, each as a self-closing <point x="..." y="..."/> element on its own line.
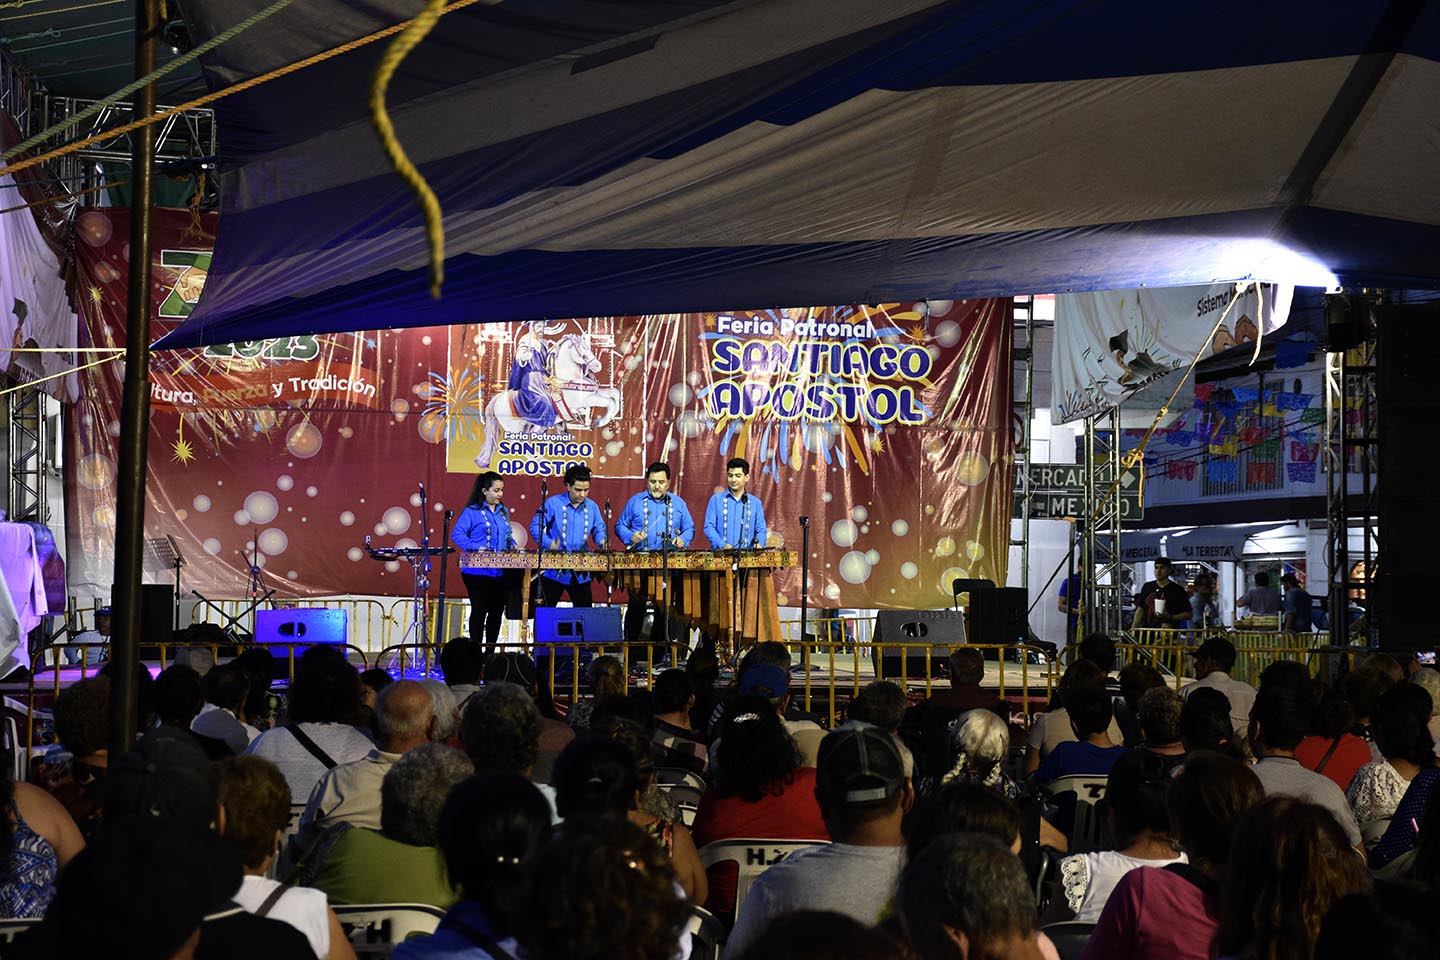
<point x="1052" y="728"/>
<point x="492" y="828"/>
<point x="966" y="896"/>
<point x="1363" y="686"/>
<point x="1099" y="649"/>
<point x="501" y="731"/>
<point x="1135" y="679"/>
<point x="1140" y="825"/>
<point x="372" y="681"/>
<point x="882" y="703"/>
<point x="76" y="777"/>
<point x="760" y="793"/>
<point x="166" y="777"/>
<point x="227" y="689"/>
<point x="822" y="935"/>
<point x="1396" y="922"/>
<point x="864" y="796"/>
<point x="258" y="665"/>
<point x="1428" y="679"/>
<point x="144" y="693"/>
<point x="607" y="679"/>
<point x="622" y="896"/>
<point x="960" y="807"/>
<point x="1091" y="753"/>
<point x="768" y="653"/>
<point x="1160" y="913"/>
<point x="1290" y="865"/>
<point x="179" y="695"/>
<point x="1399" y="837"/>
<point x="928" y="724"/>
<point x="1158" y="713"/>
<point x="1214" y="659"/>
<point x="1277" y="725"/>
<point x="770" y="681"/>
<point x="324" y="705"/>
<point x="702" y="667"/>
<point x="674" y="743"/>
<point x="519" y="669"/>
<point x="399" y="863"/>
<point x="672" y="835"/>
<point x="1205" y="724"/>
<point x="1329" y="748"/>
<point x="350" y="792"/>
<point x="980" y="740"/>
<point x="1399" y="725"/>
<point x="462" y="661"/>
<point x="256" y="801"/>
<point x="37" y="839"/>
<point x="447" y="715"/>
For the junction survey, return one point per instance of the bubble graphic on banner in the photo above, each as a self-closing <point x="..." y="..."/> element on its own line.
<point x="855" y="567"/>
<point x="614" y="448"/>
<point x="680" y="394"/>
<point x="96" y="472"/>
<point x="909" y="570"/>
<point x="182" y="514"/>
<point x="415" y="499"/>
<point x="284" y="482"/>
<point x="212" y="546"/>
<point x="292" y="574"/>
<point x="631" y="363"/>
<point x="521" y="534"/>
<point x="947" y="333"/>
<point x="971" y="468"/>
<point x="355" y="554"/>
<point x="873" y="556"/>
<point x="312" y="491"/>
<point x="95" y="228"/>
<point x="242" y="519"/>
<point x="975" y="550"/>
<point x="262" y="507"/>
<point x="690" y="424"/>
<point x="826" y="497"/>
<point x="304" y="440"/>
<point x="347" y="519"/>
<point x="406" y="543"/>
<point x="347" y="432"/>
<point x="900" y="527"/>
<point x="948" y="578"/>
<point x="104" y="515"/>
<point x="273" y="541"/>
<point x="431" y="427"/>
<point x="379" y="529"/>
<point x="113" y="427"/>
<point x="832" y="591"/>
<point x="945" y="546"/>
<point x="396" y="520"/>
<point x="859" y="513"/>
<point x="938" y="308"/>
<point x="844" y="532"/>
<point x="201" y="503"/>
<point x="392" y="566"/>
<point x="399" y="408"/>
<point x="105" y="273"/>
<point x="693" y="378"/>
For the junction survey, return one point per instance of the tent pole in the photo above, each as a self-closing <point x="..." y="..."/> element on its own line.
<point x="135" y="412"/>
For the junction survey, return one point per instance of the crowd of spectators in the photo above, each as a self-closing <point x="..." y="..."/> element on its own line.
<point x="933" y="829"/>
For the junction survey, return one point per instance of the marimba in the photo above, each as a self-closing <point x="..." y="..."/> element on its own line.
<point x="716" y="591"/>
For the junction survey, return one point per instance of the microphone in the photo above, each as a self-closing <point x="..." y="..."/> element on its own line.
<point x="544" y="487"/>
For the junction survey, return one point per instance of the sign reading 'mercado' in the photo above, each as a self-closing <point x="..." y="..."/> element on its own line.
<point x="1058" y="490"/>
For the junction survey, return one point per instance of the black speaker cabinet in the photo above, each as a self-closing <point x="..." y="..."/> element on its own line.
<point x="302" y="626"/>
<point x="157" y="617"/>
<point x="1000" y="615"/>
<point x="941" y="629"/>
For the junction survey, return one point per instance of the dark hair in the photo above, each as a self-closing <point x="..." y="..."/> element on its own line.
<point x="462" y="660"/>
<point x="1262" y="579"/>
<point x="82" y="716"/>
<point x="226" y="685"/>
<point x="756" y="756"/>
<point x="1283" y="717"/>
<point x="1397" y="922"/>
<point x="144" y="692"/>
<point x="821" y="935"/>
<point x="1400" y="725"/>
<point x="967" y="666"/>
<point x="492" y="829"/>
<point x="1136" y="795"/>
<point x="376" y="679"/>
<point x="881" y="703"/>
<point x="1135" y="679"/>
<point x="1285" y="673"/>
<point x="737" y="462"/>
<point x="325" y="690"/>
<point x="513" y="668"/>
<point x="577" y="473"/>
<point x="482" y="483"/>
<point x="702" y="664"/>
<point x="259" y="667"/>
<point x="256" y="798"/>
<point x="961" y="806"/>
<point x="594" y="777"/>
<point x="619" y="891"/>
<point x="1363" y="687"/>
<point x="1291" y="861"/>
<point x="1205" y="723"/>
<point x="969" y="883"/>
<point x="1207" y="800"/>
<point x="658" y="467"/>
<point x="1331" y="715"/>
<point x="671" y="691"/>
<point x="1090" y="711"/>
<point x="500" y="728"/>
<point x="178" y="696"/>
<point x="1080" y="673"/>
<point x="636" y="739"/>
<point x="1159" y="716"/>
<point x="1099" y="649"/>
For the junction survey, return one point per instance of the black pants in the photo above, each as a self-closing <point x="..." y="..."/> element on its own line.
<point x="487" y="607"/>
<point x="552" y="590"/>
<point x="664" y="627"/>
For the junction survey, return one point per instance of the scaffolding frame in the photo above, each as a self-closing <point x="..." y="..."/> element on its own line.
<point x="1350" y="441"/>
<point x="1102" y="573"/>
<point x="1023" y="406"/>
<point x="25" y="486"/>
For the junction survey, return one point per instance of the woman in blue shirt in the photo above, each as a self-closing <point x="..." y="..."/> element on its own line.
<point x="484" y="524"/>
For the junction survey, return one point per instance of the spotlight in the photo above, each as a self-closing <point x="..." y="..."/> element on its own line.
<point x="176" y="36"/>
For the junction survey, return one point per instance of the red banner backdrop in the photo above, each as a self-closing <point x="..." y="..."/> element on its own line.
<point x="889" y="426"/>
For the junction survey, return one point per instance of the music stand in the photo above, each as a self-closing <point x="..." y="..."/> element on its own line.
<point x="164" y="552"/>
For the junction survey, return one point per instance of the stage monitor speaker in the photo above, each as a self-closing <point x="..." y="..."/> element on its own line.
<point x="942" y="629"/>
<point x="1000" y="615"/>
<point x="589" y="625"/>
<point x="302" y="626"/>
<point x="157" y="617"/>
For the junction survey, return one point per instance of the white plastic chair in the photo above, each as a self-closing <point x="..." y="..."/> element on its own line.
<point x="752" y="857"/>
<point x="684" y="787"/>
<point x="1089" y="790"/>
<point x="375" y="929"/>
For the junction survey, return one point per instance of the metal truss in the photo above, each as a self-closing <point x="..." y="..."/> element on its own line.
<point x="1023" y="404"/>
<point x="1102" y="572"/>
<point x="187" y="136"/>
<point x="25" y="446"/>
<point x="1351" y="447"/>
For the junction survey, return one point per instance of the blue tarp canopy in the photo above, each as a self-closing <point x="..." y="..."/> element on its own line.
<point x="604" y="157"/>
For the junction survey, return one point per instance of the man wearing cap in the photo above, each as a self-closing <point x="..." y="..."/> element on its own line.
<point x="863" y="794"/>
<point x="100" y="634"/>
<point x="769" y="680"/>
<point x="1214" y="659"/>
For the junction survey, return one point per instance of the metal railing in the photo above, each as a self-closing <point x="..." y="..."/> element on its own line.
<point x="363" y="616"/>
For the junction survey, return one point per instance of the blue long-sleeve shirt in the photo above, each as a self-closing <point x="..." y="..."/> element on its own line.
<point x="644" y="512"/>
<point x="561" y="525"/>
<point x="481" y="528"/>
<point x="733" y="523"/>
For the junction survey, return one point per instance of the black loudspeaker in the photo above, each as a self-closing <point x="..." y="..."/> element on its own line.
<point x="157" y="617"/>
<point x="942" y="629"/>
<point x="1000" y="615"/>
<point x="1402" y="604"/>
<point x="557" y="627"/>
<point x="307" y="626"/>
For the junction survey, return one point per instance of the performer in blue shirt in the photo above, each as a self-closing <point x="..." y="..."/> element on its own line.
<point x="733" y="518"/>
<point x="484" y="524"/>
<point x="568" y="522"/>
<point x="644" y="524"/>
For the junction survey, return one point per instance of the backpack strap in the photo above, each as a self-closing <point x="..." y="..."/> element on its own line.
<point x="1320" y="767"/>
<point x="304" y="740"/>
<point x="269" y="902"/>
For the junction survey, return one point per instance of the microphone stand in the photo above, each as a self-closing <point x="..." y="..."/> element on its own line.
<point x="422" y="609"/>
<point x="441" y="619"/>
<point x="609" y="556"/>
<point x="804" y="573"/>
<point x="664" y="580"/>
<point x="539" y="548"/>
<point x="737" y="581"/>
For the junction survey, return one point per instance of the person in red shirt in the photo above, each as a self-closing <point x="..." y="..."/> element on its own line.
<point x="1331" y="749"/>
<point x="761" y="792"/>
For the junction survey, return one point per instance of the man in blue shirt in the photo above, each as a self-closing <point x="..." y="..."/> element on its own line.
<point x="1298" y="606"/>
<point x="568" y="522"/>
<point x="654" y="519"/>
<point x="734" y="519"/>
